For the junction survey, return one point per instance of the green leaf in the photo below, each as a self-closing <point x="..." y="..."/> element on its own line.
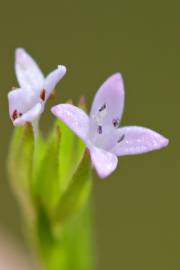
<point x="71" y="151"/>
<point x="66" y="155"/>
<point x="77" y="194"/>
<point x="78" y="241"/>
<point x="47" y="175"/>
<point x="43" y="229"/>
<point x="20" y="165"/>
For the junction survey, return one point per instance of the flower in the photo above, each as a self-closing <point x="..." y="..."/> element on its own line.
<point x="100" y="131"/>
<point x="27" y="102"/>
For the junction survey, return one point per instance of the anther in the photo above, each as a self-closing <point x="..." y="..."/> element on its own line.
<point x="115" y="123"/>
<point x="100" y="129"/>
<point x="15" y="115"/>
<point x="102" y="108"/>
<point x="121" y="138"/>
<point x="43" y="94"/>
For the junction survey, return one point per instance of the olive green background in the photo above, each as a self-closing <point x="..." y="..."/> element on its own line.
<point x="137" y="208"/>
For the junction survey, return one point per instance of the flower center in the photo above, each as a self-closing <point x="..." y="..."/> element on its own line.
<point x="103" y="128"/>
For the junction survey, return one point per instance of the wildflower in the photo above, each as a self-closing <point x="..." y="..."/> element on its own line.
<point x="27" y="102"/>
<point x="100" y="131"/>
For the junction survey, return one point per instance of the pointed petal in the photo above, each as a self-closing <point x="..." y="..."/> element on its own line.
<point x="75" y="118"/>
<point x="20" y="101"/>
<point x="52" y="79"/>
<point x="30" y="115"/>
<point x="136" y="140"/>
<point x="104" y="162"/>
<point x="28" y="72"/>
<point x="111" y="95"/>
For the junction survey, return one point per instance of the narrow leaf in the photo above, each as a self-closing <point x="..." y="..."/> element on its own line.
<point x="77" y="194"/>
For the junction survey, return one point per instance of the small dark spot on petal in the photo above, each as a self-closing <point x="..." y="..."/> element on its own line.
<point x="102" y="108"/>
<point x="115" y="123"/>
<point x="100" y="129"/>
<point x="43" y="94"/>
<point x="20" y="114"/>
<point x="121" y="138"/>
<point x="14" y="115"/>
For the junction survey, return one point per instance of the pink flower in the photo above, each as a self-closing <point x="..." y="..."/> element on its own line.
<point x="100" y="131"/>
<point x="27" y="102"/>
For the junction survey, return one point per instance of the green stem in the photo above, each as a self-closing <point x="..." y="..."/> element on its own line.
<point x="68" y="247"/>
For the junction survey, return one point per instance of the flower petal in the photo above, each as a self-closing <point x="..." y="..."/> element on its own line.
<point x="52" y="79"/>
<point x="28" y="72"/>
<point x="30" y="115"/>
<point x="20" y="101"/>
<point x="75" y="118"/>
<point x="136" y="140"/>
<point x="104" y="162"/>
<point x="109" y="98"/>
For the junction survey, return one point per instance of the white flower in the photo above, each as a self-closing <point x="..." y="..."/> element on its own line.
<point x="27" y="102"/>
<point x="100" y="131"/>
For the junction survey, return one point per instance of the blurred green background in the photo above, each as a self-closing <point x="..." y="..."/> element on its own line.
<point x="137" y="208"/>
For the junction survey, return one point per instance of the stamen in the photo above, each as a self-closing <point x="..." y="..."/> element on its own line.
<point x="102" y="108"/>
<point x="15" y="115"/>
<point x="100" y="129"/>
<point x="100" y="115"/>
<point x="115" y="123"/>
<point x="121" y="138"/>
<point x="43" y="94"/>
